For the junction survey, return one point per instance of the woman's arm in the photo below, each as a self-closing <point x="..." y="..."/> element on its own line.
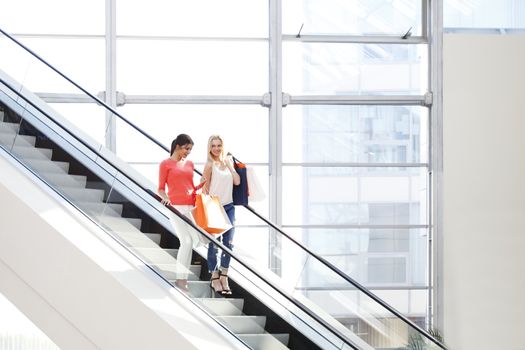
<point x="163" y="175"/>
<point x="236" y="177"/>
<point x="206" y="174"/>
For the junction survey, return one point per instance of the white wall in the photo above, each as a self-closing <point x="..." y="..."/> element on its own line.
<point x="484" y="192"/>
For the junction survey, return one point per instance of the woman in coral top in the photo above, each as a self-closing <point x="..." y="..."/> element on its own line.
<point x="177" y="173"/>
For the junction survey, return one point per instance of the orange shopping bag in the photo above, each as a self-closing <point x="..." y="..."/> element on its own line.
<point x="210" y="215"/>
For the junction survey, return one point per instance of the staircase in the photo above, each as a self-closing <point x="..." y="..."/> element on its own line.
<point x="146" y="245"/>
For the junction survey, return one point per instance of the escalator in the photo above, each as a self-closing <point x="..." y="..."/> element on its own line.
<point x="300" y="302"/>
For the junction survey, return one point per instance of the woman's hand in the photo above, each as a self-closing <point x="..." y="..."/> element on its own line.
<point x="236" y="178"/>
<point x="229" y="162"/>
<point x="164" y="199"/>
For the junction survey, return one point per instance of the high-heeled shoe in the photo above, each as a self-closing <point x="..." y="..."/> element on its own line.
<point x="217" y="290"/>
<point x="225" y="286"/>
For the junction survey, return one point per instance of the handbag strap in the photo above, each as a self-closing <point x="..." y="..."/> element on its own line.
<point x="237" y="163"/>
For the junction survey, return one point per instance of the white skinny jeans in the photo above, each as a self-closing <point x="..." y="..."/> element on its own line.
<point x="188" y="240"/>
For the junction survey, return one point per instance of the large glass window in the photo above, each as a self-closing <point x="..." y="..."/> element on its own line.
<point x="62" y="17"/>
<point x="355" y="180"/>
<point x="81" y="59"/>
<point x="484" y="14"/>
<point x="163" y="67"/>
<point x="365" y="134"/>
<point x="357" y="247"/>
<point x="354" y="196"/>
<point x="87" y="117"/>
<point x="203" y="18"/>
<point x="244" y="129"/>
<point x="370" y="221"/>
<point x="344" y="68"/>
<point x="356" y="17"/>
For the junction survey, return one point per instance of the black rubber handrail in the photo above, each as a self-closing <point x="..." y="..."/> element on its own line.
<point x="322" y="260"/>
<point x="303" y="308"/>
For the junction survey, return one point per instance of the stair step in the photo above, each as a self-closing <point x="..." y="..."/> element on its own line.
<point x="108" y="209"/>
<point x="222" y="306"/>
<point x="9" y="128"/>
<point x="194" y="268"/>
<point x="32" y="152"/>
<point x="169" y="271"/>
<point x="142" y="241"/>
<point x="83" y="194"/>
<point x="135" y="240"/>
<point x="119" y="225"/>
<point x="199" y="289"/>
<point x="65" y="180"/>
<point x="47" y="166"/>
<point x="7" y="139"/>
<point x="171" y="251"/>
<point x="155" y="255"/>
<point x="244" y="324"/>
<point x="155" y="237"/>
<point x="282" y="337"/>
<point x="266" y="341"/>
<point x="134" y="221"/>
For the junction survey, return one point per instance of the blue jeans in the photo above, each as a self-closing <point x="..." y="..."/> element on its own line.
<point x="226" y="238"/>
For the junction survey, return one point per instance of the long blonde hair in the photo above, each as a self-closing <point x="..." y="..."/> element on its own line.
<point x="210" y="140"/>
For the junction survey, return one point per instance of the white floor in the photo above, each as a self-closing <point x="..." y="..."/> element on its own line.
<point x="18" y="332"/>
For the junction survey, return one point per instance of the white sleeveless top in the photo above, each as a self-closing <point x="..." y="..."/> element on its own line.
<point x="221" y="184"/>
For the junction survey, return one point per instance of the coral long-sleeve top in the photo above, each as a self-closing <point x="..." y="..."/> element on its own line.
<point x="179" y="178"/>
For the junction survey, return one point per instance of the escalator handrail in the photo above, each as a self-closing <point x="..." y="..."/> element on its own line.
<point x="158" y="143"/>
<point x="303" y="308"/>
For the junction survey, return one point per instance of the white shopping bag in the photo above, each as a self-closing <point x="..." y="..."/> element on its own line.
<point x="255" y="189"/>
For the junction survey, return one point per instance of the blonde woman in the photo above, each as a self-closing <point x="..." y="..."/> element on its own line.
<point x="220" y="177"/>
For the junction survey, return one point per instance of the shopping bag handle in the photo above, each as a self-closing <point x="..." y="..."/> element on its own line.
<point x="236" y="161"/>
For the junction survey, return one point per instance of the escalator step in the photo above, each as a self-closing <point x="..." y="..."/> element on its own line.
<point x="222" y="306"/>
<point x="244" y="324"/>
<point x="266" y="341"/>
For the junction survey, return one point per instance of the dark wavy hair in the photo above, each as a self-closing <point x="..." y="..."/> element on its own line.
<point x="180" y="140"/>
